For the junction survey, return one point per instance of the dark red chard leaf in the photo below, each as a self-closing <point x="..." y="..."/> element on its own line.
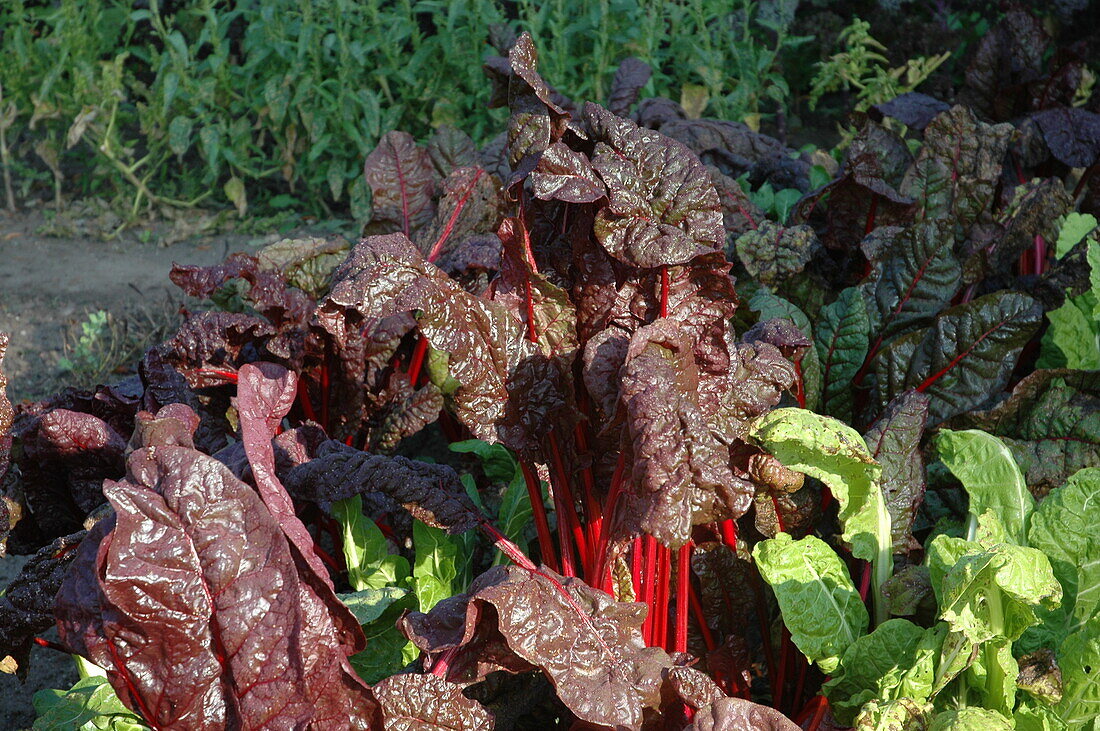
<point x="771" y="253"/>
<point x="26" y="605"/>
<point x="894" y="442"/>
<point x="913" y="109"/>
<point x="596" y="659"/>
<point x="964" y="358"/>
<point x="164" y="384"/>
<point x="413" y="702"/>
<point x="758" y="375"/>
<point x="216" y="341"/>
<point x="451" y="148"/>
<point x="174" y="425"/>
<point x="564" y="175"/>
<point x="403" y="184"/>
<point x="431" y="492"/>
<point x="385" y="275"/>
<point x="265" y="393"/>
<point x="537" y="119"/>
<point x="727" y="600"/>
<point x="65" y="457"/>
<point x="401" y="411"/>
<point x="695" y="688"/>
<point x="1071" y="134"/>
<point x="956" y="172"/>
<point x="627" y="84"/>
<point x="191" y="635"/>
<point x="680" y="471"/>
<point x="730" y="713"/>
<point x="662" y="208"/>
<point x="1036" y="209"/>
<point x="604" y="355"/>
<point x="469" y="206"/>
<point x="914" y="275"/>
<point x="1051" y="422"/>
<point x="1007" y="62"/>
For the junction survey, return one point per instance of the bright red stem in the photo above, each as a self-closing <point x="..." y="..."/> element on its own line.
<point x="664" y="291"/>
<point x="324" y="394"/>
<point x="600" y="543"/>
<point x="819" y="714"/>
<point x="230" y="376"/>
<point x="799" y="385"/>
<point x="1040" y="252"/>
<point x="649" y="575"/>
<point x="683" y="584"/>
<point x="542" y="525"/>
<point x="564" y="502"/>
<point x="593" y="513"/>
<point x="664" y="589"/>
<point x="700" y="618"/>
<point x="303" y="400"/>
<point x="417" y="361"/>
<point x="800" y="686"/>
<point x="729" y="534"/>
<point x="865" y="581"/>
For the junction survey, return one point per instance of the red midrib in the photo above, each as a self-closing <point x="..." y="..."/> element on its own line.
<point x="936" y="376"/>
<point x="438" y="247"/>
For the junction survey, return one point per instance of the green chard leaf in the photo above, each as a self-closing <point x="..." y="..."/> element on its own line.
<point x="1064" y="528"/>
<point x="435" y="565"/>
<point x="1079" y="658"/>
<point x="819" y="602"/>
<point x="904" y="714"/>
<point x="988" y="473"/>
<point x="366" y="552"/>
<point x="895" y="661"/>
<point x="842" y="338"/>
<point x="970" y="719"/>
<point x="1075" y="227"/>
<point x="836" y="454"/>
<point x="387" y="651"/>
<point x="90" y="705"/>
<point x="993" y="593"/>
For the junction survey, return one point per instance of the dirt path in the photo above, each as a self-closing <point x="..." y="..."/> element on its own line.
<point x="50" y="285"/>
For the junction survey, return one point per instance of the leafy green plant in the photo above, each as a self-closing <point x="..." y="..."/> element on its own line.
<point x="1072" y="338"/>
<point x="861" y="66"/>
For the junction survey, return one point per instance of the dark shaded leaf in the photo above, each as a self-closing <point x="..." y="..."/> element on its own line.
<point x="954" y="176"/>
<point x="450" y="148"/>
<point x="894" y="442"/>
<point x="469" y="206"/>
<point x="739" y="213"/>
<point x="1050" y="422"/>
<point x="1008" y="59"/>
<point x="427" y="703"/>
<point x="913" y="109"/>
<point x="963" y="358"/>
<point x="431" y="492"/>
<point x="403" y="183"/>
<point x="1072" y="134"/>
<point x="661" y="207"/>
<point x="842" y="338"/>
<point x="26" y="606"/>
<point x="627" y="84"/>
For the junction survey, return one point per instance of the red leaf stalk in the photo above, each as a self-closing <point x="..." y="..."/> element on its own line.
<point x="683" y="584"/>
<point x="649" y="586"/>
<point x="417" y="361"/>
<point x="664" y="590"/>
<point x="437" y="249"/>
<point x="542" y="525"/>
<point x="564" y="502"/>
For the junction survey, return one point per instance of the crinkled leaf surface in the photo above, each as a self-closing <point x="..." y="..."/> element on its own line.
<point x="402" y="181"/>
<point x="820" y="604"/>
<point x="895" y="661"/>
<point x="836" y="454"/>
<point x="964" y="357"/>
<point x="414" y="702"/>
<point x="731" y="713"/>
<point x="970" y="718"/>
<point x="842" y="338"/>
<point x="662" y="208"/>
<point x="990" y="477"/>
<point x="771" y="253"/>
<point x="771" y="306"/>
<point x="1080" y="704"/>
<point x="197" y="610"/>
<point x="894" y="442"/>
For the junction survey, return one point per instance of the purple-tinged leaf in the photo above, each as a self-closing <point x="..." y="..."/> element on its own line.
<point x="451" y="148"/>
<point x="627" y="84"/>
<point x="589" y="646"/>
<point x="662" y="208"/>
<point x="1072" y="134"/>
<point x="469" y="206"/>
<point x="537" y="119"/>
<point x="194" y="606"/>
<point x="403" y="183"/>
<point x="731" y="713"/>
<point x="913" y="109"/>
<point x="1006" y="64"/>
<point x="894" y="442"/>
<point x="412" y="702"/>
<point x="772" y="253"/>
